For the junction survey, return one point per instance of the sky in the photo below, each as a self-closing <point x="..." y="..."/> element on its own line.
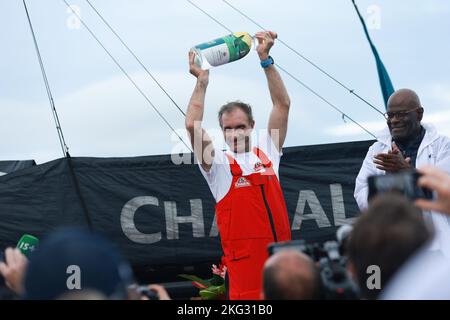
<point x="103" y="115"/>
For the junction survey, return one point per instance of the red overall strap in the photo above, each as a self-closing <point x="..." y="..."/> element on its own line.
<point x="262" y="156"/>
<point x="235" y="168"/>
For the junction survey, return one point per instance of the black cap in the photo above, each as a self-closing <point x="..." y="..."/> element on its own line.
<point x="101" y="267"/>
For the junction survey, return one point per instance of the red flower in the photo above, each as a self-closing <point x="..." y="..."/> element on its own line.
<point x="220" y="271"/>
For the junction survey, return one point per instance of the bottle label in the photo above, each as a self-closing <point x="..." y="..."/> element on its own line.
<point x="226" y="49"/>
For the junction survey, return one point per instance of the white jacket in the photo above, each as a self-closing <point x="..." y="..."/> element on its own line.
<point x="434" y="150"/>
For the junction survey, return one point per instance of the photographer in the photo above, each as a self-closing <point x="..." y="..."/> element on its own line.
<point x="385" y="236"/>
<point x="438" y="181"/>
<point x="432" y="285"/>
<point x="290" y="275"/>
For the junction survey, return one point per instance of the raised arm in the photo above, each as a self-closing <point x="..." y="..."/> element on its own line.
<point x="200" y="141"/>
<point x="278" y="121"/>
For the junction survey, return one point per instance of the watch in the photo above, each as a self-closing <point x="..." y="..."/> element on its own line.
<point x="267" y="62"/>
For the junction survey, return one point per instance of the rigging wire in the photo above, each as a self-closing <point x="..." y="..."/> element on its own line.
<point x="343" y="114"/>
<point x="62" y="141"/>
<point x="134" y="55"/>
<point x="127" y="75"/>
<point x="322" y="70"/>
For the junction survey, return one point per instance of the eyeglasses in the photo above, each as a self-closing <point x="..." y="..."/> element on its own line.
<point x="399" y="114"/>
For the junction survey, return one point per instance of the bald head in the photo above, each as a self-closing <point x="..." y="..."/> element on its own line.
<point x="407" y="99"/>
<point x="404" y="114"/>
<point x="290" y="275"/>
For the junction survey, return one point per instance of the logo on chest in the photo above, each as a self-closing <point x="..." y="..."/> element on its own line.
<point x="242" y="182"/>
<point x="258" y="166"/>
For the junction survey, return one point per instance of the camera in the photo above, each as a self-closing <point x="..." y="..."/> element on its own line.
<point x="334" y="279"/>
<point x="135" y="292"/>
<point x="150" y="294"/>
<point x="404" y="182"/>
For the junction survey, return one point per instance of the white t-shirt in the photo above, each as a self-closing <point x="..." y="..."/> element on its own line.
<point x="219" y="177"/>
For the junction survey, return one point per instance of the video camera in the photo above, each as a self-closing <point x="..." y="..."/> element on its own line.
<point x="334" y="279"/>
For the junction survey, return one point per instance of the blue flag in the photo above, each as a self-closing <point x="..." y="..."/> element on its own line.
<point x="385" y="82"/>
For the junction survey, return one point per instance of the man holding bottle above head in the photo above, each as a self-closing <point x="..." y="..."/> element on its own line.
<point x="244" y="180"/>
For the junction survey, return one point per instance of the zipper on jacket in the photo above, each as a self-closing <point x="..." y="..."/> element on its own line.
<point x="269" y="213"/>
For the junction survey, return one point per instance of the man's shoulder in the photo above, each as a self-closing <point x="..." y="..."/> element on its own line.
<point x="442" y="144"/>
<point x="266" y="144"/>
<point x="432" y="133"/>
<point x="439" y="139"/>
<point x="443" y="138"/>
<point x="218" y="161"/>
<point x="377" y="146"/>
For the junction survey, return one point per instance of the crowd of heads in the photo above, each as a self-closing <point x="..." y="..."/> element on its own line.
<point x="391" y="234"/>
<point x="71" y="264"/>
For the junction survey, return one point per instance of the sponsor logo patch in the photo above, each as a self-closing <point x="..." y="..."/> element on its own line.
<point x="242" y="182"/>
<point x="258" y="166"/>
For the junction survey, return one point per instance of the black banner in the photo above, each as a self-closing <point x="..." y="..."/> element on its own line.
<point x="11" y="166"/>
<point x="161" y="215"/>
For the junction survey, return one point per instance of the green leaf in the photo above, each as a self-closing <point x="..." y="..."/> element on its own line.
<point x="212" y="292"/>
<point x="217" y="289"/>
<point x="216" y="280"/>
<point x="207" y="295"/>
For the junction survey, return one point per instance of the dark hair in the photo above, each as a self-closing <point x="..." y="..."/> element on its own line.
<point x="386" y="235"/>
<point x="230" y="106"/>
<point x="46" y="277"/>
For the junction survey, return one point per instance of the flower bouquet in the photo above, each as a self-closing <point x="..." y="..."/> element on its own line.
<point x="213" y="288"/>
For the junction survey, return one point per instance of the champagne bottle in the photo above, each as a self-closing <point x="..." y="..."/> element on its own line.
<point x="223" y="50"/>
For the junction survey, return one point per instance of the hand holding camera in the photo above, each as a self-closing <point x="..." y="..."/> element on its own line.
<point x="438" y="181"/>
<point x="404" y="183"/>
